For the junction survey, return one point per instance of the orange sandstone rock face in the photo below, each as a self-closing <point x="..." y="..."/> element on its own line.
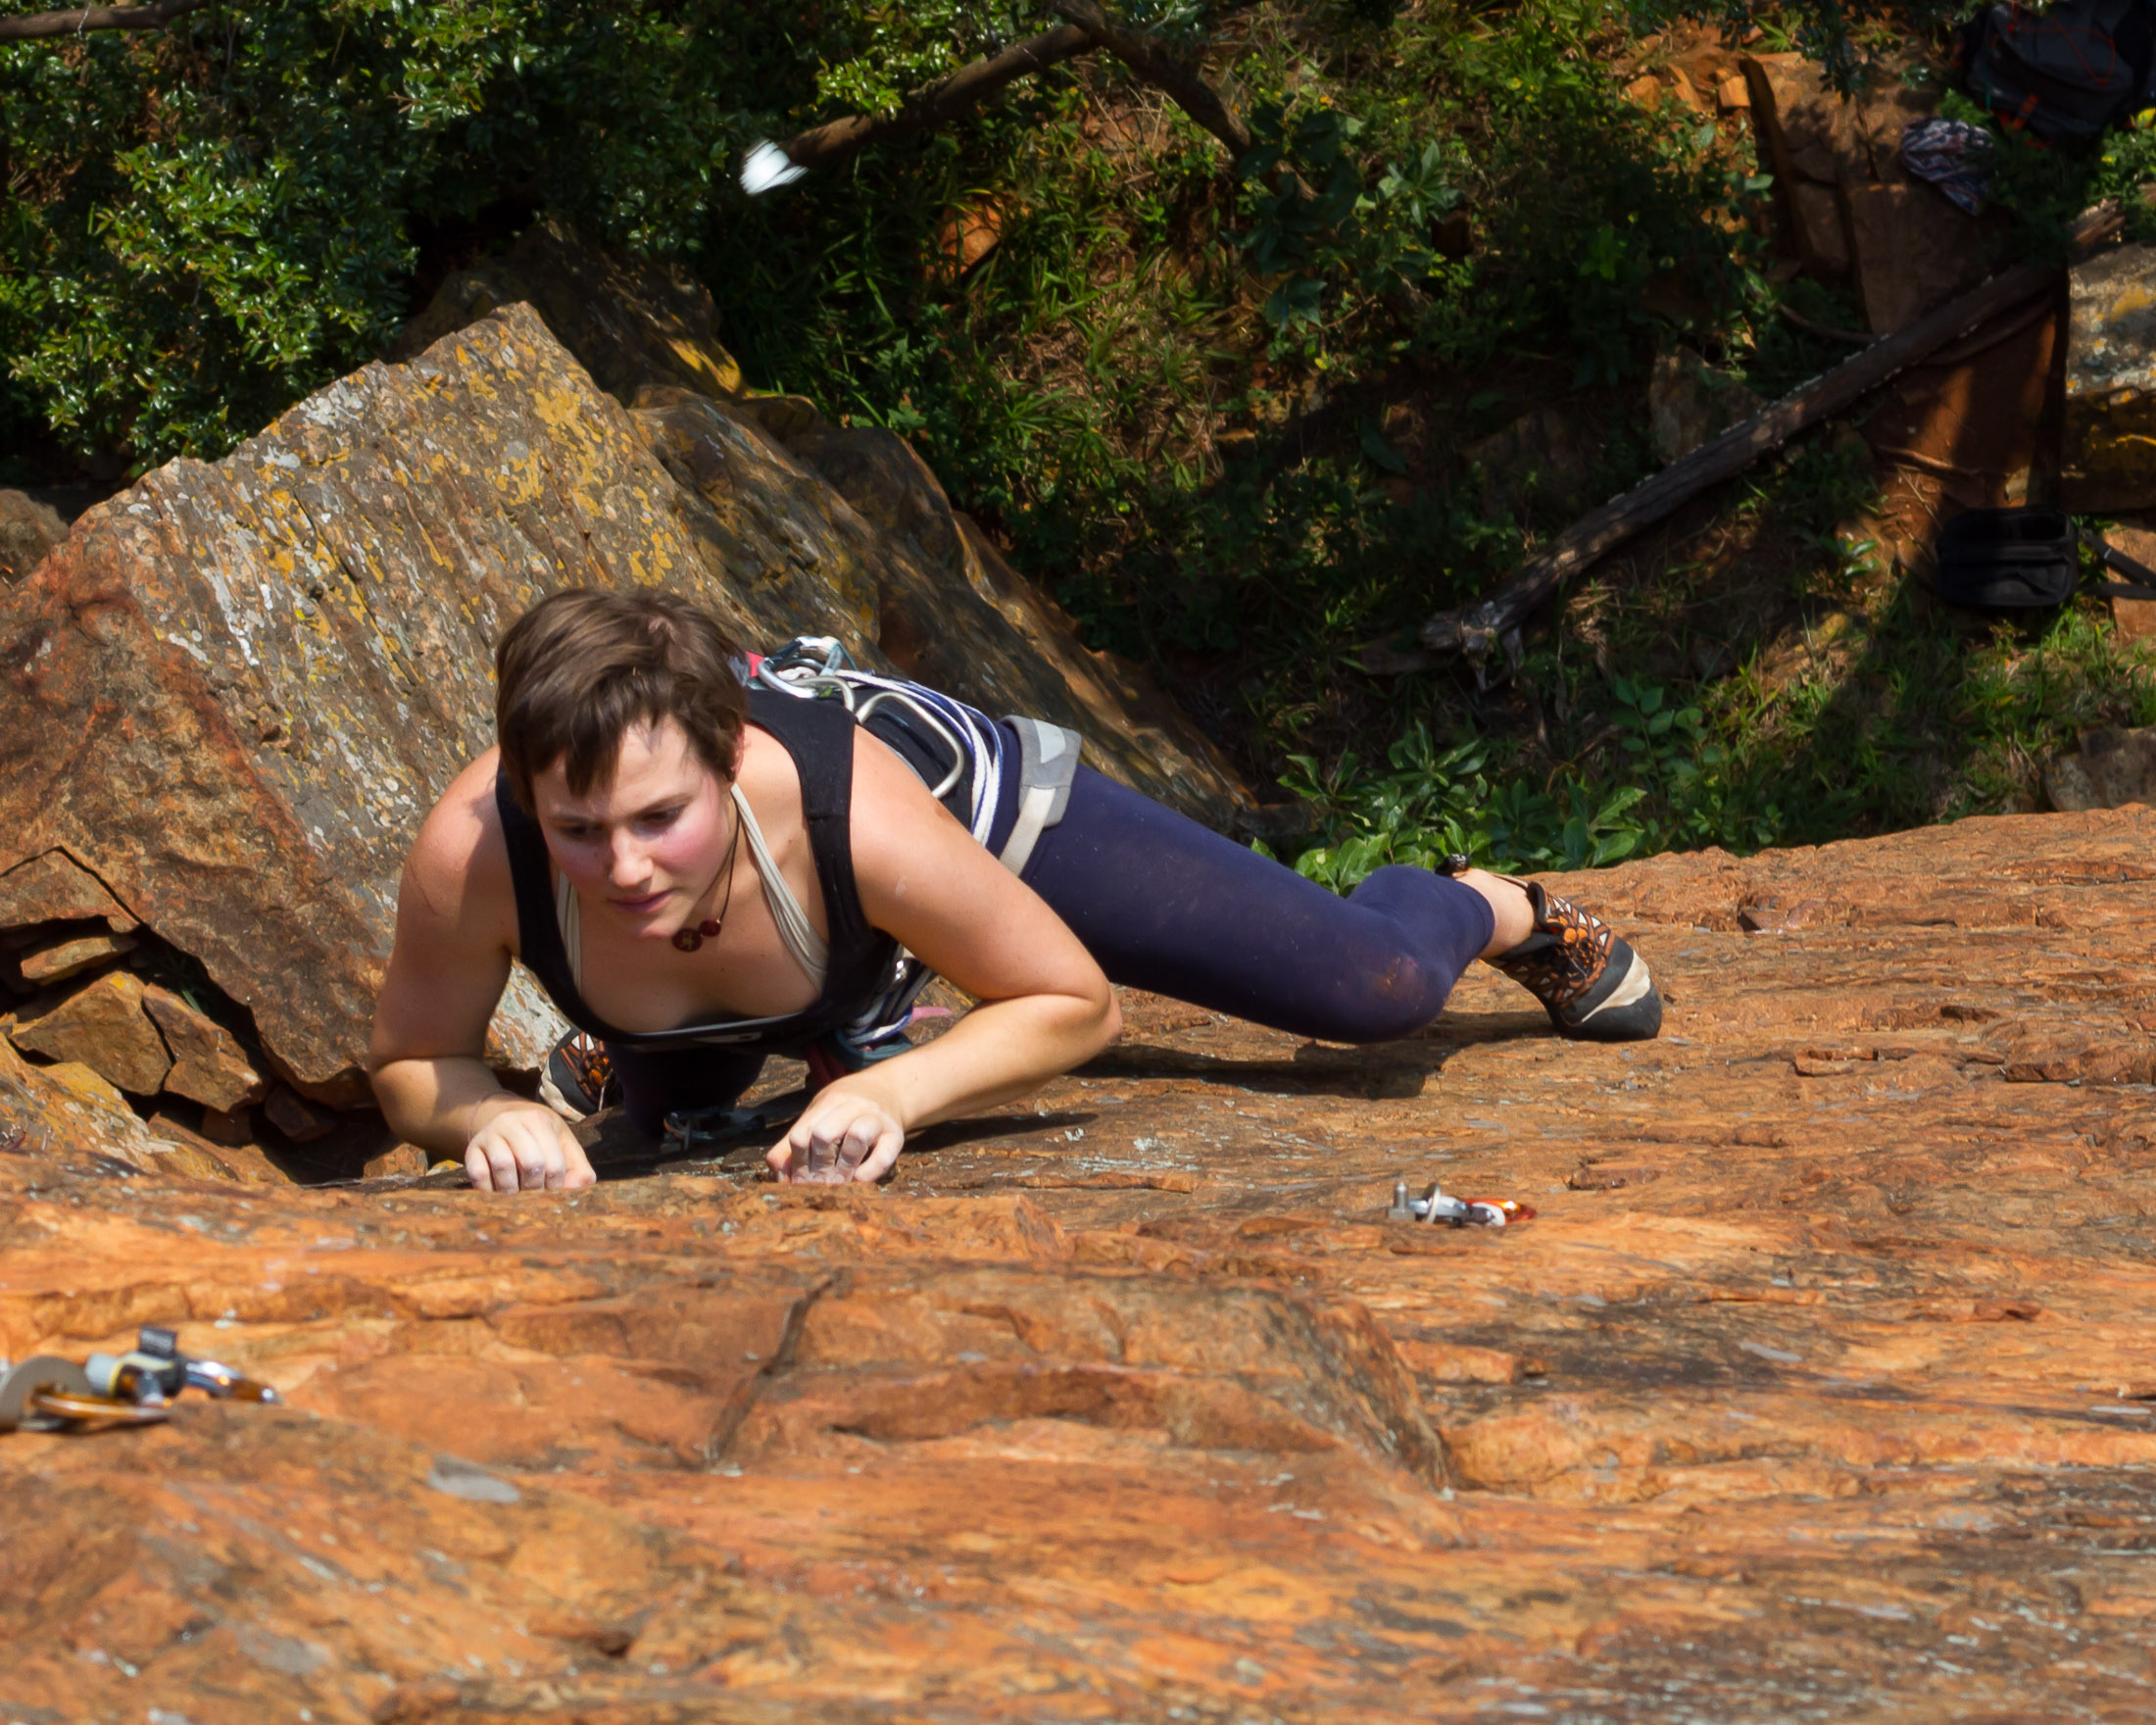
<point x="1819" y="1387"/>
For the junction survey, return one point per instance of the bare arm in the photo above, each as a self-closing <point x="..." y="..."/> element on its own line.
<point x="1047" y="1007"/>
<point x="446" y="974"/>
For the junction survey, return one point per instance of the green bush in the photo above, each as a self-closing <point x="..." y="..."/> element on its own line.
<point x="206" y="224"/>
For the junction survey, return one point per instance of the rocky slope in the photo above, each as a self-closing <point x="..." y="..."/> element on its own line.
<point x="1817" y="1388"/>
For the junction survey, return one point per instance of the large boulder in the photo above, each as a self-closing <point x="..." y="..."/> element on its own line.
<point x="227" y="699"/>
<point x="630" y="321"/>
<point x="234" y="689"/>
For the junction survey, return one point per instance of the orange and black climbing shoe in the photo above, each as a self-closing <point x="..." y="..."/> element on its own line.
<point x="583" y="1074"/>
<point x="1594" y="987"/>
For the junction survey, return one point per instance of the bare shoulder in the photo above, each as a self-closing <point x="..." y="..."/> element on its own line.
<point x="891" y="809"/>
<point x="458" y="868"/>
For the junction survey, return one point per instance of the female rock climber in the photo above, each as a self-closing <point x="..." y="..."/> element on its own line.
<point x="707" y="859"/>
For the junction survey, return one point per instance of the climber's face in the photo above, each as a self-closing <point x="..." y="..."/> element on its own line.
<point x="646" y="845"/>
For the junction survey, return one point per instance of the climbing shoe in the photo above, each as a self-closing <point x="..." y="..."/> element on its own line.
<point x="1594" y="987"/>
<point x="582" y="1075"/>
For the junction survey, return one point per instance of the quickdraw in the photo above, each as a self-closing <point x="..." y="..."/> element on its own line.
<point x="48" y="1393"/>
<point x="1436" y="1205"/>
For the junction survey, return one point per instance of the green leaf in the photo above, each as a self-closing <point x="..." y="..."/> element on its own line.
<point x="1381" y="454"/>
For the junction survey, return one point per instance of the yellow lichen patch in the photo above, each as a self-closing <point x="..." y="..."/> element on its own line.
<point x="717" y="372"/>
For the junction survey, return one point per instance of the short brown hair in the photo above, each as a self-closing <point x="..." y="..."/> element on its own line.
<point x="578" y="669"/>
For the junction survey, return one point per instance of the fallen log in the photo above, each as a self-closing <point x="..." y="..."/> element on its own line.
<point x="42" y="26"/>
<point x="1475" y="628"/>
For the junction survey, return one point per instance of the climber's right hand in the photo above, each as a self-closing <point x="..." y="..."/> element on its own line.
<point x="524" y="1145"/>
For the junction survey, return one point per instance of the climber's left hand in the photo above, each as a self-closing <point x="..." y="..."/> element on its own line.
<point x="848" y="1132"/>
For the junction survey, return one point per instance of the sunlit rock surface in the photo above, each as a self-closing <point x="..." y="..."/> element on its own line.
<point x="1820" y="1387"/>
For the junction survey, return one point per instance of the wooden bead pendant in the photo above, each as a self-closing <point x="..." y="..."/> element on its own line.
<point x="687" y="940"/>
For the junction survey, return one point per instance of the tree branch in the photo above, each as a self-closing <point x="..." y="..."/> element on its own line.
<point x="36" y="25"/>
<point x="774" y="165"/>
<point x="934" y="104"/>
<point x="1149" y="57"/>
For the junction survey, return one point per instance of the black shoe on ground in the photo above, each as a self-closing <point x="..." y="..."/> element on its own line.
<point x="1594" y="987"/>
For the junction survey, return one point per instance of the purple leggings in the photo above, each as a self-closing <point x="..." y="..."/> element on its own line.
<point x="1164" y="903"/>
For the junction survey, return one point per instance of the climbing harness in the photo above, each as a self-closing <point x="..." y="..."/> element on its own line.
<point x="816" y="666"/>
<point x="48" y="1393"/>
<point x="1435" y="1206"/>
<point x="813" y="667"/>
<point x="711" y="1132"/>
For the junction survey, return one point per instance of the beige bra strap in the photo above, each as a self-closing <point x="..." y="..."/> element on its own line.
<point x="571" y="923"/>
<point x="811" y="952"/>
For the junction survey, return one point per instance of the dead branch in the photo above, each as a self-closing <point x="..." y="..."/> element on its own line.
<point x="35" y="26"/>
<point x="1088" y="28"/>
<point x="934" y="104"/>
<point x="1475" y="628"/>
<point x="1999" y="329"/>
<point x="1149" y="57"/>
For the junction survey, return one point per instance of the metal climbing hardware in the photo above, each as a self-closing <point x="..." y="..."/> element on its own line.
<point x="48" y="1393"/>
<point x="964" y="760"/>
<point x="158" y="1363"/>
<point x="1437" y="1206"/>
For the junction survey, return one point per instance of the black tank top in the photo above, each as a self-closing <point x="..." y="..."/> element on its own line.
<point x="819" y="736"/>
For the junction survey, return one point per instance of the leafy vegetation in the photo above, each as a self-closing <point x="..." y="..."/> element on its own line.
<point x="1240" y="419"/>
<point x="1747" y="765"/>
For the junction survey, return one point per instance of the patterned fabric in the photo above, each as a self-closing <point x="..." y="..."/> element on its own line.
<point x="1953" y="154"/>
<point x="1566" y="955"/>
<point x="581" y="1060"/>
